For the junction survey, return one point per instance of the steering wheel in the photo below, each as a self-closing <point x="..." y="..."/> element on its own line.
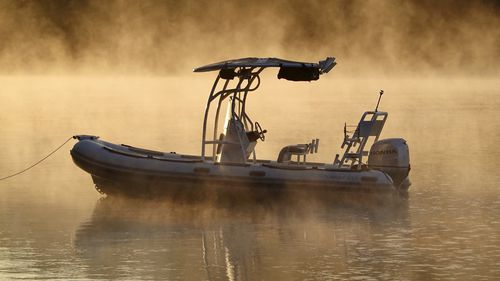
<point x="259" y="131"/>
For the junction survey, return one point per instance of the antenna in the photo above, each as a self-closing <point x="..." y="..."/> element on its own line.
<point x="379" y="97"/>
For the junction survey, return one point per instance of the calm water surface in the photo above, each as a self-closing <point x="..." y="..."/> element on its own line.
<point x="54" y="225"/>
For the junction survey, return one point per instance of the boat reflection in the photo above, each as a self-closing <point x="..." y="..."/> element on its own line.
<point x="226" y="240"/>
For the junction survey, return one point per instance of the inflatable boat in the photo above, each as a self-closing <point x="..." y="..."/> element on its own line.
<point x="228" y="162"/>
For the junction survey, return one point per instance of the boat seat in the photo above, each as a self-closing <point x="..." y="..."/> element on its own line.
<point x="286" y="153"/>
<point x="370" y="126"/>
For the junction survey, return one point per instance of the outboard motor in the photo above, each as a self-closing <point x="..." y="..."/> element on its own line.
<point x="392" y="157"/>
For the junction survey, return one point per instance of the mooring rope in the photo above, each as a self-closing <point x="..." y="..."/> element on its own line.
<point x="38" y="162"/>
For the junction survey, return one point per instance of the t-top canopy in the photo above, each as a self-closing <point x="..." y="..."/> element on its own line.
<point x="290" y="70"/>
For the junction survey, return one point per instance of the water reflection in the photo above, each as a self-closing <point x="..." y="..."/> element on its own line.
<point x="168" y="240"/>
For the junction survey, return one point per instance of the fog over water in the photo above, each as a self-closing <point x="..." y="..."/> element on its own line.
<point x="122" y="70"/>
<point x="371" y="37"/>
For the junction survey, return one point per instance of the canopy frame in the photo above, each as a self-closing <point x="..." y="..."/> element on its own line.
<point x="246" y="73"/>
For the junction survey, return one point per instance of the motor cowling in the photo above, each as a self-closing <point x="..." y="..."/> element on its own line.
<point x="391" y="156"/>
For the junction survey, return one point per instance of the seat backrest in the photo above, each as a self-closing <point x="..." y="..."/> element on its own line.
<point x="371" y="124"/>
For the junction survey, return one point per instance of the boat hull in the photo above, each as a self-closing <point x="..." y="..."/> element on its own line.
<point x="124" y="170"/>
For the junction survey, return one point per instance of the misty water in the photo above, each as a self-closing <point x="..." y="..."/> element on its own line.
<point x="55" y="225"/>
